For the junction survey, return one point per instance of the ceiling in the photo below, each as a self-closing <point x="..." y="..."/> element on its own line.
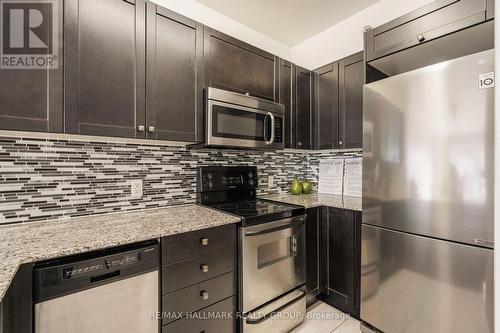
<point x="288" y="21"/>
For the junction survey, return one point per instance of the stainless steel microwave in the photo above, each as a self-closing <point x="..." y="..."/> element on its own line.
<point x="241" y="121"/>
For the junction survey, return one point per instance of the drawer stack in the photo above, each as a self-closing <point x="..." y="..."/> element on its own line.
<point x="199" y="279"/>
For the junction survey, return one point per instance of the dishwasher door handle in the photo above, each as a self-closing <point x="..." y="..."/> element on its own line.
<point x="105" y="276"/>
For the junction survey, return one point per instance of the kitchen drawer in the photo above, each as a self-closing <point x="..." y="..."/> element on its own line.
<point x="426" y="23"/>
<point x="191" y="299"/>
<point x="188" y="272"/>
<point x="218" y="318"/>
<point x="191" y="244"/>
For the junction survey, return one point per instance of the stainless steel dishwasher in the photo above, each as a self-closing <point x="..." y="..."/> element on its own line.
<point x="110" y="292"/>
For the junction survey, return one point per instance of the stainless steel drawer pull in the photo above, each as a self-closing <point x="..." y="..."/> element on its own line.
<point x="204" y="241"/>
<point x="204" y="268"/>
<point x="204" y="294"/>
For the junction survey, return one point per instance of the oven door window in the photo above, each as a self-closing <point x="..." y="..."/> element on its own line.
<point x="273" y="252"/>
<point x="234" y="123"/>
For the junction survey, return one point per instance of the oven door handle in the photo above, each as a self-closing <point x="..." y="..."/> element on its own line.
<point x="288" y="225"/>
<point x="269" y="315"/>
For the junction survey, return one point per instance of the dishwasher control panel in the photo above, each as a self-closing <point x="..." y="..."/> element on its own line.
<point x="58" y="277"/>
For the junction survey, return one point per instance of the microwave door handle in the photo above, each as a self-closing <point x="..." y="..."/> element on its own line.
<point x="270" y="314"/>
<point x="268" y="142"/>
<point x="272" y="127"/>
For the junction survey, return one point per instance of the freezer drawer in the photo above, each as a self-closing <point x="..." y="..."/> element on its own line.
<point x="420" y="284"/>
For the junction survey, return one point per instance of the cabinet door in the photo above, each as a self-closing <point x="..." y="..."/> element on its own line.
<point x="343" y="259"/>
<point x="237" y="66"/>
<point x="302" y="107"/>
<point x="285" y="98"/>
<point x="32" y="99"/>
<point x="351" y="79"/>
<point x="174" y="86"/>
<point x="312" y="252"/>
<point x="104" y="72"/>
<point x="326" y="122"/>
<point x="431" y="21"/>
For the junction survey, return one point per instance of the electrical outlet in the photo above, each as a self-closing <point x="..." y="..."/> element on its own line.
<point x="136" y="188"/>
<point x="270" y="181"/>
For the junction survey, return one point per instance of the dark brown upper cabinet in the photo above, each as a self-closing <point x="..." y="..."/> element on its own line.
<point x="351" y="79"/>
<point x="174" y="76"/>
<point x="104" y="45"/>
<point x="338" y="104"/>
<point x="341" y="246"/>
<point x="302" y="94"/>
<point x="285" y="98"/>
<point x="32" y="99"/>
<point x="237" y="66"/>
<point x="429" y="22"/>
<point x="326" y="120"/>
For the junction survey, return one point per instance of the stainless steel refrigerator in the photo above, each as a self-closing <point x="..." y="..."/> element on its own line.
<point x="427" y="233"/>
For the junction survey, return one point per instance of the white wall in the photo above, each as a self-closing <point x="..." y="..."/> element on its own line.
<point x="209" y="17"/>
<point x="346" y="37"/>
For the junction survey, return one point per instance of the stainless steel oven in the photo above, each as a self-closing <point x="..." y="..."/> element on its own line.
<point x="272" y="275"/>
<point x="236" y="120"/>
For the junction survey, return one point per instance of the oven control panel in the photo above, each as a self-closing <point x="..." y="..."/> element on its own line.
<point x="227" y="178"/>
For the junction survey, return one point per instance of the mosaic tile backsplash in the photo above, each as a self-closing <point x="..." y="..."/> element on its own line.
<point x="43" y="179"/>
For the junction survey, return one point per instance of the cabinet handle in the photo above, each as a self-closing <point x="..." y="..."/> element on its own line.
<point x="299" y="144"/>
<point x="341" y="143"/>
<point x="204" y="294"/>
<point x="141" y="128"/>
<point x="204" y="241"/>
<point x="204" y="268"/>
<point x="151" y="129"/>
<point x="420" y="38"/>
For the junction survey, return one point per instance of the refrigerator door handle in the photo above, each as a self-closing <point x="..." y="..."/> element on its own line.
<point x="484" y="242"/>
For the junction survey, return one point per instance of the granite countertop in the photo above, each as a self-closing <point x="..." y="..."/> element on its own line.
<point x="35" y="241"/>
<point x="319" y="199"/>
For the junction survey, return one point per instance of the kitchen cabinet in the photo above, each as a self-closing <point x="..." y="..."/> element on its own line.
<point x="174" y="80"/>
<point x="285" y="98"/>
<point x="16" y="307"/>
<point x="312" y="253"/>
<point x="104" y="74"/>
<point x="199" y="274"/>
<point x="338" y="106"/>
<point x="302" y="93"/>
<point x="326" y="122"/>
<point x="351" y="80"/>
<point x="237" y="66"/>
<point x="32" y="99"/>
<point x="341" y="253"/>
<point x="426" y="23"/>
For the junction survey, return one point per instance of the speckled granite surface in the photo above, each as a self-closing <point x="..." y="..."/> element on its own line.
<point x="50" y="239"/>
<point x="319" y="199"/>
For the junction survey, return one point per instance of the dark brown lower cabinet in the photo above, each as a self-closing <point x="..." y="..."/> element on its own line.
<point x="199" y="281"/>
<point x="312" y="254"/>
<point x="340" y="258"/>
